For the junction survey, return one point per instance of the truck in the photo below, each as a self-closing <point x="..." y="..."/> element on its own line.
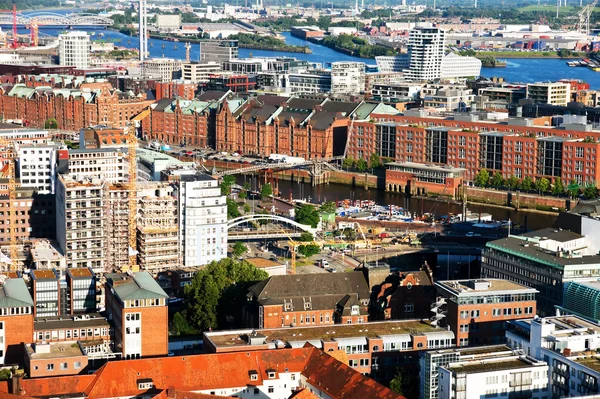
<point x="276" y="157"/>
<point x="293" y="160"/>
<point x="154" y="145"/>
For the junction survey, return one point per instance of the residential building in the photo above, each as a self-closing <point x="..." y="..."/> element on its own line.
<point x="304" y="300"/>
<point x="425" y="52"/>
<point x="198" y="72"/>
<point x="45" y="288"/>
<point x="103" y="136"/>
<point x="16" y="319"/>
<point x="202" y="219"/>
<point x="376" y="349"/>
<point x="90" y="327"/>
<point x="106" y="164"/>
<point x="81" y="222"/>
<point x="450" y="100"/>
<point x="544" y="260"/>
<point x="162" y="69"/>
<point x="54" y="359"/>
<point x="74" y="49"/>
<point x="299" y="373"/>
<point x="116" y="225"/>
<point x="568" y="345"/>
<point x="158" y="227"/>
<point x="395" y="93"/>
<point x="396" y="63"/>
<point x="168" y="22"/>
<point x="227" y="81"/>
<point x="179" y="88"/>
<point x="382" y="78"/>
<point x="456" y="66"/>
<point x="46" y="256"/>
<point x="515" y="376"/>
<point x="35" y="216"/>
<point x="506" y="95"/>
<point x="347" y="77"/>
<point x="314" y="81"/>
<point x="81" y="284"/>
<point x="555" y="93"/>
<point x="431" y="361"/>
<point x="137" y="308"/>
<point x="218" y="50"/>
<point x="36" y="167"/>
<point x="477" y="310"/>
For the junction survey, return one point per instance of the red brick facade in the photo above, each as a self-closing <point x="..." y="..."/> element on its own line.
<point x="275" y="317"/>
<point x="18" y="330"/>
<point x="173" y="126"/>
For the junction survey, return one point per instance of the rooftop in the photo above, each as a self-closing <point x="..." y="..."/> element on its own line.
<point x="486" y="366"/>
<point x="589" y="362"/>
<point x="44" y="275"/>
<point x="481" y="286"/>
<point x="437" y="168"/>
<point x="326" y="333"/>
<point x="559" y="235"/>
<point x="263" y="262"/>
<point x="81" y="272"/>
<point x="14" y="293"/>
<point x="53" y="351"/>
<point x="140" y="285"/>
<point x="62" y="322"/>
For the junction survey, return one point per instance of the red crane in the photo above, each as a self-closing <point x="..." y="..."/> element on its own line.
<point x="14" y="24"/>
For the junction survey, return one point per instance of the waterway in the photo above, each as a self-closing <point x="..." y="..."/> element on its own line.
<point x="418" y="206"/>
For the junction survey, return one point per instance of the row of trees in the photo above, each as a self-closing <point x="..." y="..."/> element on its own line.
<point x="541" y="185"/>
<point x="362" y="165"/>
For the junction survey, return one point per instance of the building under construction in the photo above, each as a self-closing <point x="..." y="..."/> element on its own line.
<point x="117" y="226"/>
<point x="157" y="227"/>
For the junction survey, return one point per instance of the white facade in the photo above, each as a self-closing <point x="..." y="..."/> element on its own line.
<point x="426" y="51"/>
<point x="347" y="77"/>
<point x="161" y="69"/>
<point x="168" y="22"/>
<point x="108" y="164"/>
<point x="396" y="63"/>
<point x="557" y="93"/>
<point x="36" y="167"/>
<point x="456" y="66"/>
<point x="281" y="385"/>
<point x="202" y="221"/>
<point x="74" y="49"/>
<point x="515" y="376"/>
<point x="199" y="72"/>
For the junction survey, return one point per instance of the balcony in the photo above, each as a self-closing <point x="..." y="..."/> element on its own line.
<point x="520" y="383"/>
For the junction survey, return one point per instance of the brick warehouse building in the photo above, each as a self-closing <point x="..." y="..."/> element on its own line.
<point x="268" y="125"/>
<point x="73" y="109"/>
<point x="517" y="147"/>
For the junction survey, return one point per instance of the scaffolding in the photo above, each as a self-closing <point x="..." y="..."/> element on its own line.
<point x="117" y="226"/>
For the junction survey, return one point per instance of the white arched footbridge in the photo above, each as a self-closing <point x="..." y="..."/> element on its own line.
<point x="268" y="234"/>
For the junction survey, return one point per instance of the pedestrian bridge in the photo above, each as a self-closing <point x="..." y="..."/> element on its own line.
<point x="272" y="218"/>
<point x="53" y="19"/>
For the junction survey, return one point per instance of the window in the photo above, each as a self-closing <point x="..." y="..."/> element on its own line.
<point x="271" y="374"/>
<point x="474" y="313"/>
<point x="409" y="307"/>
<point x="496" y="312"/>
<point x="528" y="309"/>
<point x="464" y="328"/>
<point x="50" y="367"/>
<point x="64" y="366"/>
<point x="271" y="389"/>
<point x="77" y="365"/>
<point x="579" y="152"/>
<point x="507" y="312"/>
<point x="464" y="314"/>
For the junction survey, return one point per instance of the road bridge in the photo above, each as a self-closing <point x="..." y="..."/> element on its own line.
<point x="52" y="19"/>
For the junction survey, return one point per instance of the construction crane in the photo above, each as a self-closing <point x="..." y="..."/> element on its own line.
<point x="10" y="154"/>
<point x="294" y="245"/>
<point x="15" y="43"/>
<point x="349" y="137"/>
<point x="34" y="31"/>
<point x="584" y="18"/>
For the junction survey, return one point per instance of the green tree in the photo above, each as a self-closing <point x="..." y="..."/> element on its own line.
<point x="217" y="294"/>
<point x="527" y="184"/>
<point x="238" y="249"/>
<point x="590" y="191"/>
<point x="542" y="185"/>
<point x="180" y="326"/>
<point x="396" y="383"/>
<point x="309" y="250"/>
<point x="573" y="188"/>
<point x="246" y="208"/>
<point x="306" y="237"/>
<point x="51" y="123"/>
<point x="232" y="209"/>
<point x="226" y="184"/>
<point x="308" y="214"/>
<point x="328" y="207"/>
<point x="497" y="180"/>
<point x="558" y="188"/>
<point x="361" y="165"/>
<point x="266" y="191"/>
<point x="375" y="161"/>
<point x="512" y="183"/>
<point x="242" y="195"/>
<point x="482" y="178"/>
<point x="348" y="163"/>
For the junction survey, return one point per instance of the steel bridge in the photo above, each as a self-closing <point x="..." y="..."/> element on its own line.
<point x="52" y="19"/>
<point x="271" y="218"/>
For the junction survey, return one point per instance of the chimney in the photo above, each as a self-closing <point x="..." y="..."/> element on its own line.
<point x="567" y="352"/>
<point x="171" y="392"/>
<point x="17" y="384"/>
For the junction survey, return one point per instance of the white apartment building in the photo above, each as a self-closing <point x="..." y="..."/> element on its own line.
<point x="36" y="167"/>
<point x="202" y="219"/>
<point x="80" y="222"/>
<point x="198" y="72"/>
<point x="347" y="77"/>
<point x="425" y="51"/>
<point x="74" y="49"/>
<point x="161" y="69"/>
<point x="397" y="63"/>
<point x="25" y="136"/>
<point x="569" y="345"/>
<point x="110" y="164"/>
<point x="556" y="93"/>
<point x="456" y="66"/>
<point x="450" y="100"/>
<point x="510" y="376"/>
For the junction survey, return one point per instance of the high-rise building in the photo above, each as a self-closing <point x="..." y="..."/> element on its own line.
<point x="137" y="307"/>
<point x="36" y="166"/>
<point x="396" y="63"/>
<point x="425" y="51"/>
<point x="218" y="50"/>
<point x="46" y="292"/>
<point x="108" y="164"/>
<point x="555" y="93"/>
<point x="198" y="72"/>
<point x="347" y="77"/>
<point x="456" y="66"/>
<point x="162" y="69"/>
<point x="74" y="49"/>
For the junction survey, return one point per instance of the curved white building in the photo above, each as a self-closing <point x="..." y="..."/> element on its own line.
<point x="456" y="66"/>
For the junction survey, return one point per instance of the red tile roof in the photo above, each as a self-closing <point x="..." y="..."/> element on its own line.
<point x="304" y="394"/>
<point x="175" y="377"/>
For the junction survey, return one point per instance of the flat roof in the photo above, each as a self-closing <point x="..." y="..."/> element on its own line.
<point x="476" y="367"/>
<point x="589" y="362"/>
<point x="328" y="333"/>
<point x="44" y="275"/>
<point x="437" y="168"/>
<point x="477" y="287"/>
<point x="56" y="350"/>
<point x="553" y="234"/>
<point x="529" y="250"/>
<point x="263" y="262"/>
<point x="66" y="322"/>
<point x="80" y="272"/>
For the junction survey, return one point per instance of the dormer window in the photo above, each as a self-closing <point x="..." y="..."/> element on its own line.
<point x="253" y="375"/>
<point x="288" y="306"/>
<point x="271" y="374"/>
<point x="145" y="384"/>
<point x="307" y="306"/>
<point x="354" y="311"/>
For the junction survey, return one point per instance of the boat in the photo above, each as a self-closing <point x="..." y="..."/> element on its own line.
<point x="571" y="63"/>
<point x="128" y="41"/>
<point x="175" y="47"/>
<point x="151" y="44"/>
<point x="164" y="45"/>
<point x="101" y="34"/>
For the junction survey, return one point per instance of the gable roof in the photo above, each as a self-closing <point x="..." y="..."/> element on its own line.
<point x="14" y="293"/>
<point x="141" y="286"/>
